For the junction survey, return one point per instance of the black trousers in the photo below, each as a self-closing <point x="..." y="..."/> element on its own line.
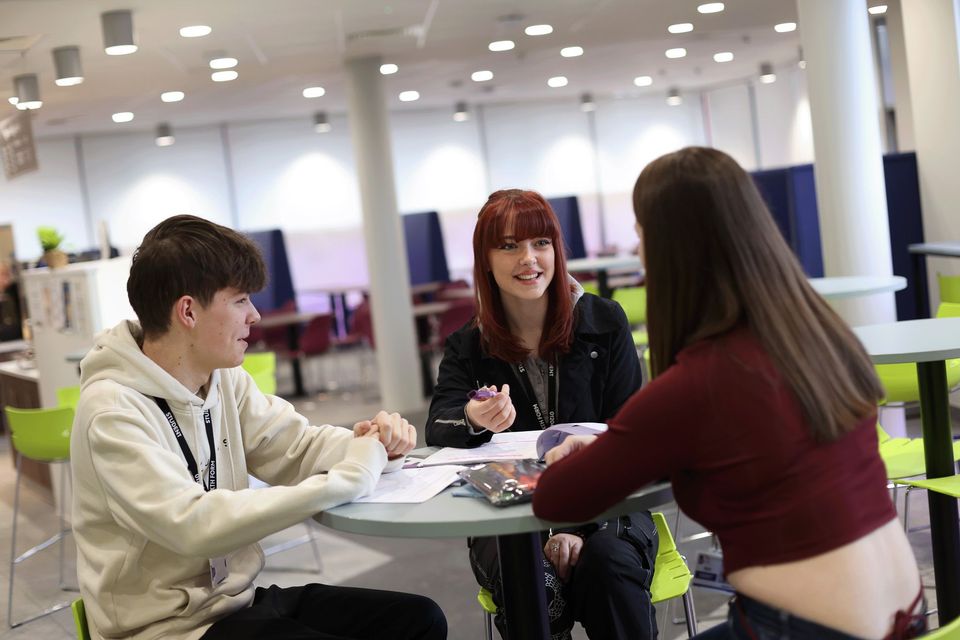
<point x="609" y="590"/>
<point x="322" y="612"/>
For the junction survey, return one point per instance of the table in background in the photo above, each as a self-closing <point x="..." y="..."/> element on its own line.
<point x="919" y="252"/>
<point x="602" y="266"/>
<point x="853" y="286"/>
<point x="518" y="540"/>
<point x="929" y="343"/>
<point x="292" y="321"/>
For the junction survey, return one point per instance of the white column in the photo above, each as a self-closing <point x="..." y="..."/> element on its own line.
<point x="902" y="101"/>
<point x="393" y="325"/>
<point x="933" y="61"/>
<point x="848" y="164"/>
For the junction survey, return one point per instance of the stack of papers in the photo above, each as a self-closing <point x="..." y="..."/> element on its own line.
<point x="509" y="445"/>
<point x="410" y="486"/>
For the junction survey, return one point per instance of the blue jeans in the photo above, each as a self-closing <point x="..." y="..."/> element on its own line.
<point x="752" y="620"/>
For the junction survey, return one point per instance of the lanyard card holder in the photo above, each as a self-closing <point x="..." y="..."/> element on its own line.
<point x="506" y="482"/>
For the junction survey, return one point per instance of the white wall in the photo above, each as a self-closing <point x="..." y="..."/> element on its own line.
<point x="730" y="123"/>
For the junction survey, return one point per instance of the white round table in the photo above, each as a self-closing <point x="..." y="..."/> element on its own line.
<point x="853" y="286"/>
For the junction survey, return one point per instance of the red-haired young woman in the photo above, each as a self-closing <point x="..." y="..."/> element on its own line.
<point x="552" y="354"/>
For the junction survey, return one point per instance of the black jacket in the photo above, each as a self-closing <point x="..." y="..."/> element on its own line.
<point x="597" y="376"/>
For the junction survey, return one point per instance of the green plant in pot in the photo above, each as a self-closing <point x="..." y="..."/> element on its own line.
<point x="50" y="240"/>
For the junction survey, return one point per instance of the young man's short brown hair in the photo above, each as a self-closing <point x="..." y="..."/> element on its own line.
<point x="189" y="256"/>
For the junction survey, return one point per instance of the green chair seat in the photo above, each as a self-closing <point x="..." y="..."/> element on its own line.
<point x="262" y="367"/>
<point x="640" y="338"/>
<point x="591" y="286"/>
<point x="80" y="619"/>
<point x="68" y="396"/>
<point x="949" y="632"/>
<point x="949" y="288"/>
<point x="634" y="303"/>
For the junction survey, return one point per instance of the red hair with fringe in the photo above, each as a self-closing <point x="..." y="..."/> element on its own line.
<point x="525" y="214"/>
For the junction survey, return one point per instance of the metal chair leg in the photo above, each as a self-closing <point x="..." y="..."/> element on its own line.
<point x="690" y="613"/>
<point x="487" y="626"/>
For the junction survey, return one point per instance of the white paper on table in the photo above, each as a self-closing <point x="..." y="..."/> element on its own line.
<point x="412" y="485"/>
<point x="509" y="445"/>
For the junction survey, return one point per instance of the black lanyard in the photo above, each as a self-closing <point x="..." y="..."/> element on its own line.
<point x="191" y="461"/>
<point x="532" y="395"/>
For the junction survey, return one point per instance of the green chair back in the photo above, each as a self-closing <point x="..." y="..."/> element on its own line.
<point x="949" y="288"/>
<point x="948" y="310"/>
<point x="671" y="576"/>
<point x="262" y="367"/>
<point x="949" y="632"/>
<point x="68" y="396"/>
<point x="591" y="286"/>
<point x="634" y="303"/>
<point x="485" y="598"/>
<point x="41" y="434"/>
<point x="80" y="619"/>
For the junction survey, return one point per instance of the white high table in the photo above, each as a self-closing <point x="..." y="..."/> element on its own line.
<point x="919" y="252"/>
<point x="518" y="539"/>
<point x="929" y="343"/>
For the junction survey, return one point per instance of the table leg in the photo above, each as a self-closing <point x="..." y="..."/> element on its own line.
<point x="603" y="284"/>
<point x="524" y="593"/>
<point x="938" y="451"/>
<point x="293" y="343"/>
<point x="920" y="295"/>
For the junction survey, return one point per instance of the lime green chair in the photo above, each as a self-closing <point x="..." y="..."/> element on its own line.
<point x="671" y="579"/>
<point x="80" y="619"/>
<point x="68" y="397"/>
<point x="949" y="632"/>
<point x="591" y="287"/>
<point x="900" y="380"/>
<point x="42" y="435"/>
<point x="262" y="367"/>
<point x="634" y="303"/>
<point x="949" y="288"/>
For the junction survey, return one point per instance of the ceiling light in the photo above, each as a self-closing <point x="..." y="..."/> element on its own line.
<point x="680" y="27"/>
<point x="711" y="7"/>
<point x="195" y="31"/>
<point x="460" y="112"/>
<point x="673" y="97"/>
<point x="66" y="60"/>
<point x="538" y="30"/>
<point x="801" y="60"/>
<point x="224" y="76"/>
<point x="123" y="116"/>
<point x="501" y="45"/>
<point x="28" y="91"/>
<point x="388" y="69"/>
<point x="587" y="103"/>
<point x="164" y="136"/>
<point x="557" y="81"/>
<point x="643" y="81"/>
<point x="481" y="76"/>
<point x="118" y="37"/>
<point x="320" y="122"/>
<point x="314" y="92"/>
<point x="678" y="52"/>
<point x="877" y="10"/>
<point x="223" y="63"/>
<point x="13" y="100"/>
<point x="409" y="96"/>
<point x="571" y="52"/>
<point x="171" y="96"/>
<point x="766" y="73"/>
<point x="785" y="27"/>
<point x="723" y="56"/>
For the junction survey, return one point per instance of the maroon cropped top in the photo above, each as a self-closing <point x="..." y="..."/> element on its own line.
<point x="722" y="425"/>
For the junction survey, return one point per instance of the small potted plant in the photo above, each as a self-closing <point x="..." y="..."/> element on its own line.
<point x="50" y="240"/>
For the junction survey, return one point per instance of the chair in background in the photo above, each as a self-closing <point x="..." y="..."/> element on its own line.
<point x="949" y="632"/>
<point x="68" y="396"/>
<point x="316" y="340"/>
<point x="80" y="619"/>
<point x="671" y="579"/>
<point x="634" y="303"/>
<point x="949" y="288"/>
<point x="42" y="435"/>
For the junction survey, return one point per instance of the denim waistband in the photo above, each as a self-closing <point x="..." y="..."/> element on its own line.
<point x="767" y="621"/>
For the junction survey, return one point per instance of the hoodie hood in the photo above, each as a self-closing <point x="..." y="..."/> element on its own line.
<point x="116" y="356"/>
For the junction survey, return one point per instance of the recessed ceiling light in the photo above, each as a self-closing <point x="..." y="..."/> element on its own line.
<point x="224" y="76"/>
<point x="538" y="30"/>
<point x="314" y="92"/>
<point x="678" y="52"/>
<point x="878" y="10"/>
<point x="501" y="45"/>
<point x="171" y="96"/>
<point x="481" y="76"/>
<point x="123" y="116"/>
<point x="223" y="63"/>
<point x="557" y="81"/>
<point x="409" y="96"/>
<point x="785" y="27"/>
<point x="571" y="52"/>
<point x="643" y="81"/>
<point x="195" y="31"/>
<point x="388" y="69"/>
<point x="680" y="27"/>
<point x="723" y="56"/>
<point x="711" y="7"/>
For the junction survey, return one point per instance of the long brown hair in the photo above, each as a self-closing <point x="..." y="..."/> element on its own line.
<point x="715" y="258"/>
<point x="527" y="215"/>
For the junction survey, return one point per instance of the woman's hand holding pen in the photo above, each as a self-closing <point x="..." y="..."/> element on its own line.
<point x="493" y="414"/>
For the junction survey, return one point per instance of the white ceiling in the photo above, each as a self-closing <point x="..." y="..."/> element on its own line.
<point x="286" y="45"/>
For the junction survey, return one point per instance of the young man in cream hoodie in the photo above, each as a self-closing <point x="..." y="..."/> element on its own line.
<point x="168" y="426"/>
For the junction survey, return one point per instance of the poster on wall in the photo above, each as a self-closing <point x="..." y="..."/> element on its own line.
<point x="16" y="145"/>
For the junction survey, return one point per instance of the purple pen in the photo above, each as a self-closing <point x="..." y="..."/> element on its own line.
<point x="481" y="394"/>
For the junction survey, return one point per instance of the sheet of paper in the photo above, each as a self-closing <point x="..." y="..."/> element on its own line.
<point x="503" y="446"/>
<point x="412" y="485"/>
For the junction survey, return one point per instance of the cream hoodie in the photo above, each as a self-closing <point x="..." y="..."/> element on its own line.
<point x="145" y="530"/>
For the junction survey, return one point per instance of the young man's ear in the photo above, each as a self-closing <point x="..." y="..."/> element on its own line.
<point x="185" y="312"/>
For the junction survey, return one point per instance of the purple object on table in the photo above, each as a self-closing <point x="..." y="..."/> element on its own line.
<point x="552" y="436"/>
<point x="481" y="394"/>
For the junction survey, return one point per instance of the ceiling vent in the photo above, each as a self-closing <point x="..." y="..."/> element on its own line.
<point x="412" y="31"/>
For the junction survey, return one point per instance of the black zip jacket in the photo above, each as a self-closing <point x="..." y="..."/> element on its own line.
<point x="597" y="376"/>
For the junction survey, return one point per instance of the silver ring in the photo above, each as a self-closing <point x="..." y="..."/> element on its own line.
<point x="556" y="547"/>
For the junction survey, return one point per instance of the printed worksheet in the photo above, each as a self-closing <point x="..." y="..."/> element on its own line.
<point x="412" y="485"/>
<point x="509" y="445"/>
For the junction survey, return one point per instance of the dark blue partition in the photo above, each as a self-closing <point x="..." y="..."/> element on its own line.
<point x="906" y="223"/>
<point x="279" y="289"/>
<point x="568" y="213"/>
<point x="425" y="252"/>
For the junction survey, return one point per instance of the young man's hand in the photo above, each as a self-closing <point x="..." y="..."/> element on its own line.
<point x="397" y="435"/>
